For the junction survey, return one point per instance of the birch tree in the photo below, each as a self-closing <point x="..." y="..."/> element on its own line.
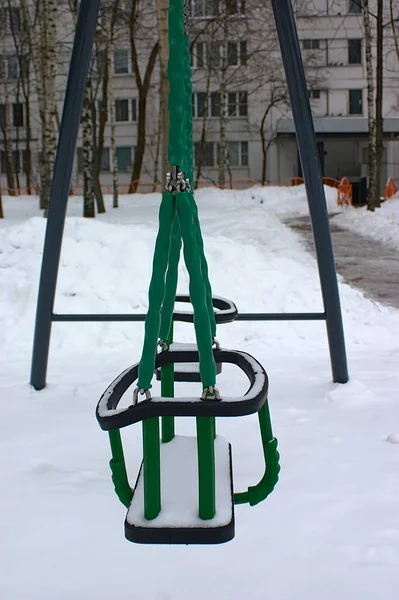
<point x="40" y="25"/>
<point x="5" y="123"/>
<point x="373" y="184"/>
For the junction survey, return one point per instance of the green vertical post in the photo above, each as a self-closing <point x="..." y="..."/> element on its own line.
<point x="152" y="468"/>
<point x="168" y="391"/>
<point x="206" y="467"/>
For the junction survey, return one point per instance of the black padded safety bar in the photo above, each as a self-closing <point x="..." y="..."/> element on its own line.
<point x="226" y="310"/>
<point x="110" y="417"/>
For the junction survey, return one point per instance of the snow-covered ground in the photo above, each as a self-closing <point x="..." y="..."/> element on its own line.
<point x="331" y="527"/>
<point x="381" y="225"/>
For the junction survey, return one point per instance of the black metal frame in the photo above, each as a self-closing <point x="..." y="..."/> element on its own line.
<point x="81" y="55"/>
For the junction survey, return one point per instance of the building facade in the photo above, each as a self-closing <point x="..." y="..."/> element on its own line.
<point x="239" y="96"/>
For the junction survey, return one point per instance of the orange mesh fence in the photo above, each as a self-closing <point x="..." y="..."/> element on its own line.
<point x="345" y="192"/>
<point x="390" y="189"/>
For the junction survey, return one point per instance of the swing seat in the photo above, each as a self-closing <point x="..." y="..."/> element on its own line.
<point x="178" y="521"/>
<point x="225" y="311"/>
<point x="111" y="417"/>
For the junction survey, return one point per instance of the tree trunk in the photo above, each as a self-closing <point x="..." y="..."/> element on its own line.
<point x="372" y="166"/>
<point x="5" y="126"/>
<point x="143" y="88"/>
<point x="1" y="206"/>
<point x="379" y="120"/>
<point x="223" y="102"/>
<point x="203" y="129"/>
<point x="263" y="144"/>
<point x="158" y="146"/>
<point x="28" y="155"/>
<point x="87" y="155"/>
<point x="101" y="135"/>
<point x="163" y="33"/>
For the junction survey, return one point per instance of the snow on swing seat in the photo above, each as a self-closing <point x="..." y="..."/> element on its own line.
<point x="179" y="522"/>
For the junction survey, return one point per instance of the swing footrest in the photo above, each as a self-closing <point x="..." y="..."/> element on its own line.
<point x="187" y="372"/>
<point x="178" y="521"/>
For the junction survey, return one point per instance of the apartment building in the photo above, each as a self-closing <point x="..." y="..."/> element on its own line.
<point x="236" y="74"/>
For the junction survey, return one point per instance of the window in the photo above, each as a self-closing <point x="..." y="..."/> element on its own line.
<point x="204" y="154"/>
<point x="121" y="110"/>
<point x="205" y="8"/>
<point x="17" y="115"/>
<point x="235" y="7"/>
<point x="134" y="109"/>
<point x="199" y="52"/>
<point x="214" y="52"/>
<point x="100" y="61"/>
<point x="355" y="52"/>
<point x="19" y="161"/>
<point x="12" y="66"/>
<point x="121" y="61"/>
<point x="237" y="154"/>
<point x="105" y="159"/>
<point x="10" y="20"/>
<point x="200" y="104"/>
<point x="2" y="115"/>
<point x="355" y="7"/>
<point x="100" y="105"/>
<point x="215" y="104"/>
<point x="232" y="53"/>
<point x="311" y="44"/>
<point x="314" y="94"/>
<point x="355" y="102"/>
<point x="124" y="157"/>
<point x="15" y="19"/>
<point x="243" y="53"/>
<point x="237" y="104"/>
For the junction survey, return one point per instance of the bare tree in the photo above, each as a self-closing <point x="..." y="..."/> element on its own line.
<point x="40" y="26"/>
<point x="143" y="86"/>
<point x="373" y="193"/>
<point x="5" y="123"/>
<point x="163" y="33"/>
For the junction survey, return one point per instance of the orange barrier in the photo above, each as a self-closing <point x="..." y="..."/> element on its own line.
<point x="390" y="189"/>
<point x="345" y="192"/>
<point x="23" y="191"/>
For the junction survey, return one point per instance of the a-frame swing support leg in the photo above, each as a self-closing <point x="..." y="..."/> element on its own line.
<point x="79" y="67"/>
<point x="307" y="145"/>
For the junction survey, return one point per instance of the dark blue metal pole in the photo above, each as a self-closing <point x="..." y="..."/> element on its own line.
<point x="307" y="145"/>
<point x="80" y="61"/>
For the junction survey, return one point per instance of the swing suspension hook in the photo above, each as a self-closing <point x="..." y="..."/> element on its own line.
<point x="140" y="391"/>
<point x="163" y="345"/>
<point x="176" y="181"/>
<point x="216" y="344"/>
<point x="210" y="393"/>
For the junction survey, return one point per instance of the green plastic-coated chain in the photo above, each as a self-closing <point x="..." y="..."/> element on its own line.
<point x="156" y="291"/>
<point x="171" y="280"/>
<point x="197" y="289"/>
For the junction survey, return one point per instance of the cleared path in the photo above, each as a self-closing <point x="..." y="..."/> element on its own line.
<point x="363" y="263"/>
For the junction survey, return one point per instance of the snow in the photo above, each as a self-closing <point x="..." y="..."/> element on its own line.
<point x="331" y="527"/>
<point x="179" y="487"/>
<point x="381" y="225"/>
